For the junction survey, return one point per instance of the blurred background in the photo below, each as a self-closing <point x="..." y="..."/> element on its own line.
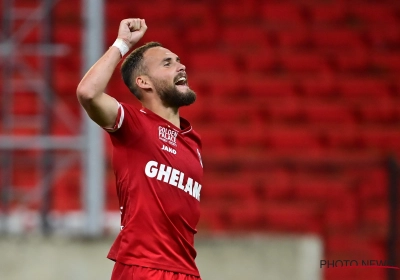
<point x="298" y="108"/>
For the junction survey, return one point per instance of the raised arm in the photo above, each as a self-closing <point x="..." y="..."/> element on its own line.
<point x="101" y="107"/>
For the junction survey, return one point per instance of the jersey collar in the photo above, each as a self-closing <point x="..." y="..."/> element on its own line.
<point x="185" y="124"/>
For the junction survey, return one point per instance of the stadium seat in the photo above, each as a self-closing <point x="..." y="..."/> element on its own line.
<point x="324" y="112"/>
<point x="303" y="62"/>
<point x="68" y="34"/>
<point x="383" y="110"/>
<point x="328" y="14"/>
<point x="280" y="84"/>
<point x="282" y="14"/>
<point x="283" y="108"/>
<point x="387" y="38"/>
<point x="354" y="61"/>
<point x="258" y="87"/>
<point x="67" y="11"/>
<point x="295" y="39"/>
<point x="294" y="217"/>
<point x="318" y="86"/>
<point x="27" y="103"/>
<point x="244" y="38"/>
<point x="146" y="10"/>
<point x="214" y="61"/>
<point x="342" y="39"/>
<point x="359" y="87"/>
<point x="233" y="12"/>
<point x="259" y="61"/>
<point x="211" y="219"/>
<point x="290" y="138"/>
<point x="374" y="13"/>
<point x="201" y="35"/>
<point x="383" y="139"/>
<point x="346" y="136"/>
<point x="193" y="12"/>
<point x="389" y="62"/>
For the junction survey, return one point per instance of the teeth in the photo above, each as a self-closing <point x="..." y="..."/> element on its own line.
<point x="182" y="79"/>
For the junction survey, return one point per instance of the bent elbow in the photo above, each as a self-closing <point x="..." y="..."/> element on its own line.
<point x="84" y="95"/>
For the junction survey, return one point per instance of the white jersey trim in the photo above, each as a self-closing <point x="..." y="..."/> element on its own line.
<point x="119" y="120"/>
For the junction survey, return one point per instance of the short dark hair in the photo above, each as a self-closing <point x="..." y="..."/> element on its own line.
<point x="133" y="67"/>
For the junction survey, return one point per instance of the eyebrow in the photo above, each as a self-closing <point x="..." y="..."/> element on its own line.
<point x="169" y="59"/>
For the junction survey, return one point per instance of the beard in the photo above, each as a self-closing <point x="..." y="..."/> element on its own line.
<point x="171" y="96"/>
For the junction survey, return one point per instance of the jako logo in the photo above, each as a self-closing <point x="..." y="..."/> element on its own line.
<point x="168" y="149"/>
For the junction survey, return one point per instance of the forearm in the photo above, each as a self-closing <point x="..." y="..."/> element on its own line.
<point x="96" y="79"/>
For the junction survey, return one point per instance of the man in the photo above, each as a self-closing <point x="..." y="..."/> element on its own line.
<point x="156" y="157"/>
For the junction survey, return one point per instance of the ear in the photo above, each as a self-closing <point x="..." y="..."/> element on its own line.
<point x="143" y="82"/>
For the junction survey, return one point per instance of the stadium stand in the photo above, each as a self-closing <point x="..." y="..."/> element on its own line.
<point x="297" y="102"/>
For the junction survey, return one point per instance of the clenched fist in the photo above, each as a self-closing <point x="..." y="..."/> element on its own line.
<point x="131" y="30"/>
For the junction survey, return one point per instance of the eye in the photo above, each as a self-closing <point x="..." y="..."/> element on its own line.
<point x="167" y="64"/>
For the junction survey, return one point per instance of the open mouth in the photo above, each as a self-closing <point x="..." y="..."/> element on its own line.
<point x="182" y="81"/>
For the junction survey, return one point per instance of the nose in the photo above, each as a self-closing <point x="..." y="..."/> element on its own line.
<point x="181" y="67"/>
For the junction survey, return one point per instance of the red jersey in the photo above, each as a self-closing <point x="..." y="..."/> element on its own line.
<point x="158" y="172"/>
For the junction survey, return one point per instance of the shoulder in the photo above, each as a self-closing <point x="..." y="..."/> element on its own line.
<point x="189" y="132"/>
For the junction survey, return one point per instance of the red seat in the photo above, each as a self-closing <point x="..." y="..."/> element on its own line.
<point x="167" y="35"/>
<point x="66" y="193"/>
<point x="215" y="138"/>
<point x="201" y="35"/>
<point x="324" y="86"/>
<point x="115" y="12"/>
<point x="192" y="12"/>
<point x="211" y="218"/>
<point x="284" y="14"/>
<point x="342" y="213"/>
<point x="244" y="38"/>
<point x="228" y="190"/>
<point x="374" y="191"/>
<point x="320" y="189"/>
<point x="283" y="109"/>
<point x="355" y="87"/>
<point x="233" y="12"/>
<point x="380" y="110"/>
<point x="388" y="37"/>
<point x="377" y="215"/>
<point x="345" y="136"/>
<point x="352" y="61"/>
<point x="324" y="112"/>
<point x="213" y="62"/>
<point x="303" y="62"/>
<point x="298" y="39"/>
<point x="337" y="39"/>
<point x="155" y="13"/>
<point x="293" y="217"/>
<point x="332" y="13"/>
<point x="358" y="246"/>
<point x="259" y="61"/>
<point x="278" y="187"/>
<point x="387" y="61"/>
<point x="27" y="103"/>
<point x="234" y="112"/>
<point x="381" y="139"/>
<point x="375" y="13"/>
<point x="268" y="87"/>
<point x="246" y="218"/>
<point x="286" y="138"/>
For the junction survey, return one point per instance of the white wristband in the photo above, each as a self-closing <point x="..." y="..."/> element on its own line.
<point x="122" y="46"/>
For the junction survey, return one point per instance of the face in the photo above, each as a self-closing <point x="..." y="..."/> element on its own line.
<point x="168" y="77"/>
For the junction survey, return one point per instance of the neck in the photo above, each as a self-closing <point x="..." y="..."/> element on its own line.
<point x="170" y="114"/>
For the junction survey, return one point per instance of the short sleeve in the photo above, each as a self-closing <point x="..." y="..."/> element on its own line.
<point x="118" y="120"/>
